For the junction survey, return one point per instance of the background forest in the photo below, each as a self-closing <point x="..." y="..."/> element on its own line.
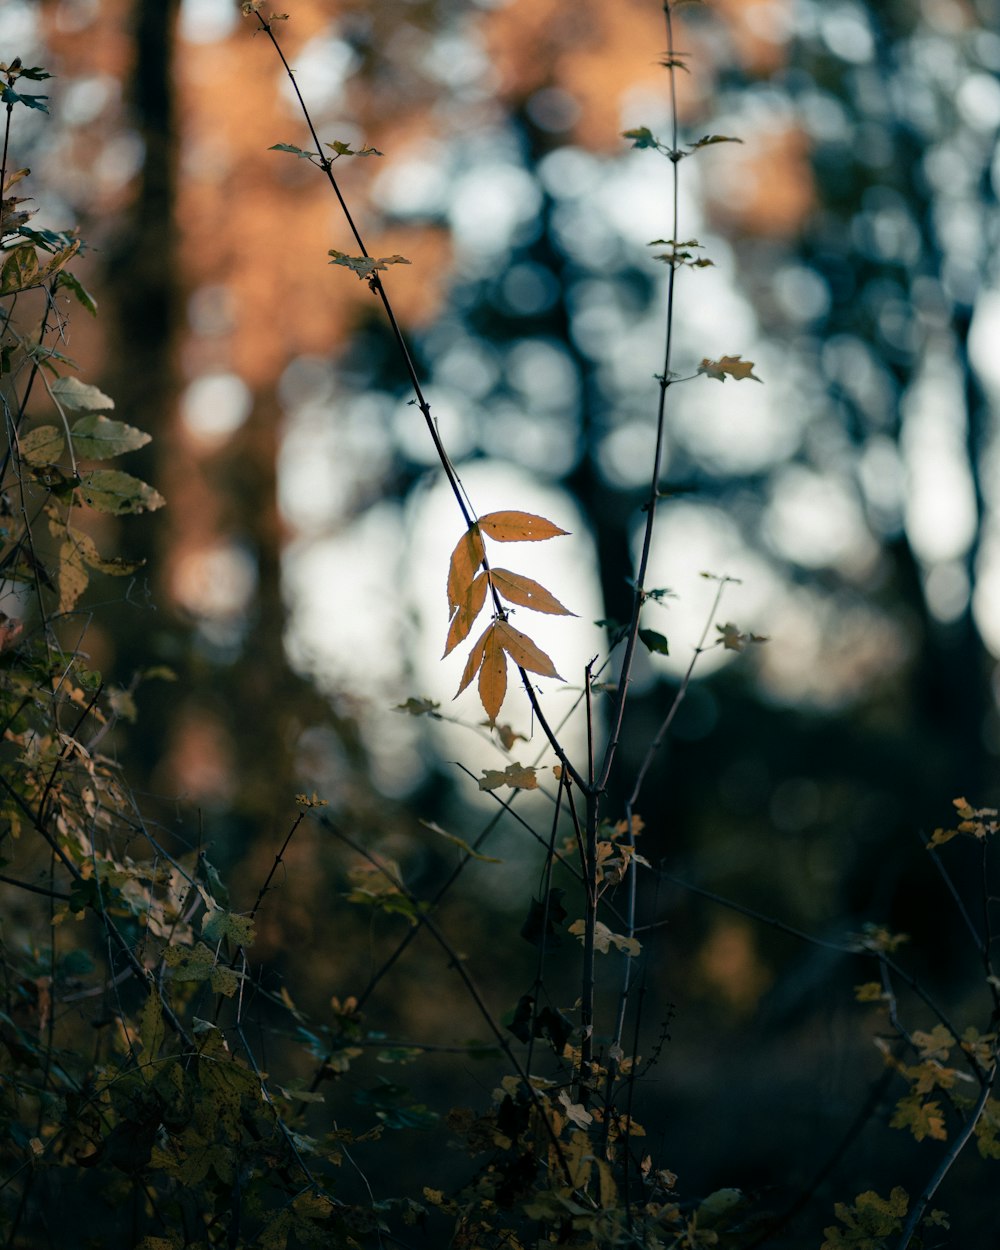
<point x="292" y="596"/>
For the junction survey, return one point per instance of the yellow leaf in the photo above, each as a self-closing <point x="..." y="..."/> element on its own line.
<point x="516" y="527"/>
<point x="523" y="651"/>
<point x="73" y="576"/>
<point x="465" y="561"/>
<point x="527" y="593"/>
<point x="474" y="660"/>
<point x="514" y="775"/>
<point x="734" y="366"/>
<point x="493" y="674"/>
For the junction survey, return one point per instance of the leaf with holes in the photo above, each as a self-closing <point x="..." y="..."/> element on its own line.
<point x="521" y="590"/>
<point x="109" y="490"/>
<point x="517" y="527"/>
<point x="524" y="652"/>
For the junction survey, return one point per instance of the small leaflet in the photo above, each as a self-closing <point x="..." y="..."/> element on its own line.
<point x="467" y="612"/>
<point x="514" y="527"/>
<point x="493" y="673"/>
<point x="462" y="845"/>
<point x="517" y="776"/>
<point x="99" y="438"/>
<point x="604" y="939"/>
<point x="81" y="397"/>
<point x="654" y="642"/>
<point x="527" y="593"/>
<point x="708" y="140"/>
<point x="365" y="266"/>
<point x="733" y="366"/>
<point x="292" y="149"/>
<point x="468" y="555"/>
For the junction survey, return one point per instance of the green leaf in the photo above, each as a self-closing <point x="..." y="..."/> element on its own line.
<point x="708" y="140"/>
<point x="108" y="490"/>
<point x="99" y="438"/>
<point x="9" y="96"/>
<point x="642" y="137"/>
<point x="654" y="642"/>
<point x="345" y="149"/>
<point x="80" y="397"/>
<point x="221" y="924"/>
<point x="77" y="289"/>
<point x="456" y="841"/>
<point x="292" y="149"/>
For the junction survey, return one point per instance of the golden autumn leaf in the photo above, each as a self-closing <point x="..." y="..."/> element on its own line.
<point x="734" y="366"/>
<point x="514" y="775"/>
<point x="516" y="527"/>
<point x="527" y="593"/>
<point x="523" y="651"/>
<point x="493" y="673"/>
<point x="467" y="612"/>
<point x="475" y="659"/>
<point x="465" y="561"/>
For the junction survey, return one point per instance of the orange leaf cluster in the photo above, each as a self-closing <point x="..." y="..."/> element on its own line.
<point x="470" y="577"/>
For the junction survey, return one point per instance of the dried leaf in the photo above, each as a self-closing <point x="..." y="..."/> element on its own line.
<point x="516" y="527"/>
<point x="516" y="776"/>
<point x="418" y="707"/>
<point x="523" y="651"/>
<point x="465" y="561"/>
<point x="604" y="939"/>
<point x="521" y="590"/>
<point x="43" y="445"/>
<point x="365" y="266"/>
<point x="108" y="490"/>
<point x="493" y="674"/>
<point x="734" y="366"/>
<point x="475" y="659"/>
<point x="468" y="610"/>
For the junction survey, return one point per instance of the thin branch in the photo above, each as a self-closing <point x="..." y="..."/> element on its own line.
<point x="946" y="1164"/>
